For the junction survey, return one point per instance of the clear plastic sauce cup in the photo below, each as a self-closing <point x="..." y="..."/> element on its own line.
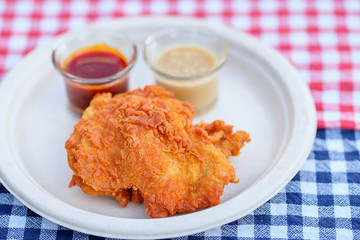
<point x="187" y="61"/>
<point x="92" y="62"/>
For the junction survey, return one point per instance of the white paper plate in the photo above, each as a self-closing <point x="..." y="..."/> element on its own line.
<point x="260" y="92"/>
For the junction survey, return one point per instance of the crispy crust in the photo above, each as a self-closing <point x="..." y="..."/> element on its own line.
<point x="142" y="146"/>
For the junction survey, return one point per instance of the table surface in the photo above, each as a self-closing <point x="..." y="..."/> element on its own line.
<point x="321" y="38"/>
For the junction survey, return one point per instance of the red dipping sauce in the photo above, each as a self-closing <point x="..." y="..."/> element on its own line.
<point x="96" y="68"/>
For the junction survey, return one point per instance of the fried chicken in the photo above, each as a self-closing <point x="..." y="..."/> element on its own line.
<point x="142" y="146"/>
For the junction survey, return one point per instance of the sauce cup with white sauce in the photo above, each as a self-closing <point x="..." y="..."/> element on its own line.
<point x="187" y="61"/>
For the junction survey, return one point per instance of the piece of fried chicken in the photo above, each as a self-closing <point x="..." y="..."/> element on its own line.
<point x="142" y="146"/>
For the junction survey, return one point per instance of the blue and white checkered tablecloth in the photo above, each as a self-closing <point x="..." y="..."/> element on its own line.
<point x="321" y="202"/>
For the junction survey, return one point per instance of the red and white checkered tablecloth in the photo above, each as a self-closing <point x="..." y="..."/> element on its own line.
<point x="321" y="38"/>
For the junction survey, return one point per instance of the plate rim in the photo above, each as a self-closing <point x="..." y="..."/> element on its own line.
<point x="152" y="231"/>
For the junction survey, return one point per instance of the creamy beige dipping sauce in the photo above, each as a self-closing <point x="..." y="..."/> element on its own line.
<point x="186" y="61"/>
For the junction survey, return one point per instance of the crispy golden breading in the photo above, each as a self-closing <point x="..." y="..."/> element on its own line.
<point x="142" y="146"/>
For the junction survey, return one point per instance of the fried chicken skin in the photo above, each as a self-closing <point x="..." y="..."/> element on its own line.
<point x="142" y="146"/>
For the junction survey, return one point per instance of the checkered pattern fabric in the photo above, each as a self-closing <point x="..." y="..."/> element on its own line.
<point x="321" y="202"/>
<point x="321" y="38"/>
